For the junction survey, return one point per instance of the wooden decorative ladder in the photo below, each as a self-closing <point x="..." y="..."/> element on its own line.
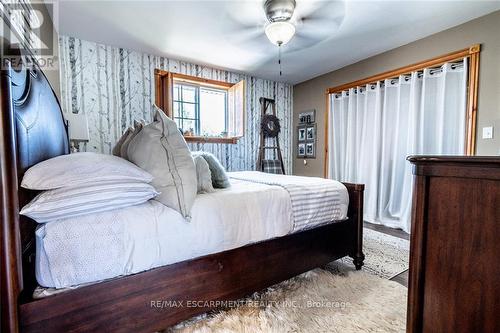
<point x="262" y="162"/>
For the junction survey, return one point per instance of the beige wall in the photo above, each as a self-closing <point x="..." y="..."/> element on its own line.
<point x="485" y="30"/>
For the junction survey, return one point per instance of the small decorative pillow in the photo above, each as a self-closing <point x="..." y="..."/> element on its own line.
<point x="203" y="175"/>
<point x="81" y="168"/>
<point x="119" y="143"/>
<point x="161" y="150"/>
<point x="124" y="147"/>
<point x="219" y="176"/>
<point x="86" y="199"/>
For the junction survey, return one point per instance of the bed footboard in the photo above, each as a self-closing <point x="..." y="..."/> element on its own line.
<point x="355" y="214"/>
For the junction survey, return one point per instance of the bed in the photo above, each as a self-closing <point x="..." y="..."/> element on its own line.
<point x="33" y="130"/>
<point x="142" y="237"/>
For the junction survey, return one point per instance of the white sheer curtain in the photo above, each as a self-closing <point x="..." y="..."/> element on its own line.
<point x="375" y="127"/>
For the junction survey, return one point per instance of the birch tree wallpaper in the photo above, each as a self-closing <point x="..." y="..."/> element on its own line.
<point x="113" y="86"/>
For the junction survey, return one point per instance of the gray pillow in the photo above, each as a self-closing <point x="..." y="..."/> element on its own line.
<point x="160" y="149"/>
<point x="119" y="143"/>
<point x="219" y="176"/>
<point x="203" y="175"/>
<point x="124" y="147"/>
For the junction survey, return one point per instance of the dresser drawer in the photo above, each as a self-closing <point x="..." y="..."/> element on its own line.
<point x="455" y="247"/>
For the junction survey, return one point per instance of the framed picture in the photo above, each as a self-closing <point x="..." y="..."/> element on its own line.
<point x="307" y="117"/>
<point x="301" y="150"/>
<point x="311" y="133"/>
<point x="310" y="149"/>
<point x="301" y="134"/>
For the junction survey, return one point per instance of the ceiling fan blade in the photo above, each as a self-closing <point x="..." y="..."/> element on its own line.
<point x="322" y="19"/>
<point x="317" y="21"/>
<point x="319" y="9"/>
<point x="316" y="31"/>
<point x="299" y="42"/>
<point x="246" y="34"/>
<point x="238" y="32"/>
<point x="246" y="13"/>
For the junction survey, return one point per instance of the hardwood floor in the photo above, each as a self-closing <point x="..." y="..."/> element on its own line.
<point x="386" y="230"/>
<point x="401" y="278"/>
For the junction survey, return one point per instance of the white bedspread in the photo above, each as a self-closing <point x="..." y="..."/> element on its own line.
<point x="100" y="246"/>
<point x="314" y="200"/>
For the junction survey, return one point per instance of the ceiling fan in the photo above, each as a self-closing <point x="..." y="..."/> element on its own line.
<point x="299" y="23"/>
<point x="279" y="30"/>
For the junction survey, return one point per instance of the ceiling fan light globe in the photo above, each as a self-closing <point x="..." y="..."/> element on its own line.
<point x="280" y="32"/>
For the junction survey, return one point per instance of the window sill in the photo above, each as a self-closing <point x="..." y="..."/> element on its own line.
<point x="211" y="139"/>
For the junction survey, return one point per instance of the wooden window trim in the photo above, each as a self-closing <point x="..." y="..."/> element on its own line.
<point x="211" y="139"/>
<point x="201" y="81"/>
<point x="471" y="52"/>
<point x="164" y="99"/>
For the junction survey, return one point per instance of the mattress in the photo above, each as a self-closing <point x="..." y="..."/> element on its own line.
<point x="105" y="245"/>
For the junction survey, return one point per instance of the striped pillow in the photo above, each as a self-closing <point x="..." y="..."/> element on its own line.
<point x="86" y="199"/>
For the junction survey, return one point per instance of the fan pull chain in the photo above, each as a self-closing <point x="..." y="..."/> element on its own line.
<point x="279" y="56"/>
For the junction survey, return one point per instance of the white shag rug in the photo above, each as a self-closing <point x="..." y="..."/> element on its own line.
<point x="335" y="299"/>
<point x="385" y="255"/>
<point x="316" y="301"/>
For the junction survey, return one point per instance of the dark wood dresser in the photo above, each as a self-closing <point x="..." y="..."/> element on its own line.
<point x="454" y="282"/>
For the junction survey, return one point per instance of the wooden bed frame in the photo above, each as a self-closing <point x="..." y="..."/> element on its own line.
<point x="32" y="129"/>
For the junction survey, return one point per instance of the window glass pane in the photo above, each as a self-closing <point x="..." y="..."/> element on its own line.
<point x="177" y="107"/>
<point x="189" y="124"/>
<point x="179" y="122"/>
<point x="177" y="92"/>
<point x="189" y="94"/>
<point x="212" y="111"/>
<point x="188" y="110"/>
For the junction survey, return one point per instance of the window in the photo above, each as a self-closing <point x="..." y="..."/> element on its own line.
<point x="204" y="110"/>
<point x="199" y="110"/>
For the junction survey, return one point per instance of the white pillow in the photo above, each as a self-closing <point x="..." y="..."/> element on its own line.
<point x="86" y="199"/>
<point x="203" y="175"/>
<point x="161" y="150"/>
<point x="80" y="168"/>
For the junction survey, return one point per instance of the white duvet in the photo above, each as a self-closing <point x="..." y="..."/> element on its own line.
<point x="100" y="246"/>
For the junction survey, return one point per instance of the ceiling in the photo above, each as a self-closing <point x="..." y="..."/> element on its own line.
<point x="230" y="34"/>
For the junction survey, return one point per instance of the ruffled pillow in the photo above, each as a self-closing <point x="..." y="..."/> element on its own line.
<point x="219" y="176"/>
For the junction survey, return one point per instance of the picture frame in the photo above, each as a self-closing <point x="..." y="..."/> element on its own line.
<point x="307" y="117"/>
<point x="311" y="133"/>
<point x="310" y="149"/>
<point x="301" y="133"/>
<point x="301" y="150"/>
<point x="306" y="139"/>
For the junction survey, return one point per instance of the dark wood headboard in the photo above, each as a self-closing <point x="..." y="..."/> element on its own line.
<point x="41" y="131"/>
<point x="32" y="130"/>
